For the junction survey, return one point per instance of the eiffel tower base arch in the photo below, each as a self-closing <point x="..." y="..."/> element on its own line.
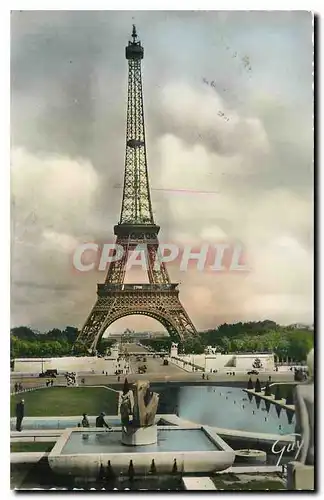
<point x="148" y="300"/>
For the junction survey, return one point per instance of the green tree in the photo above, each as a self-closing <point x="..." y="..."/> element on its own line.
<point x="300" y="343"/>
<point x="193" y="345"/>
<point x="23" y="332"/>
<point x="71" y="334"/>
<point x="226" y="343"/>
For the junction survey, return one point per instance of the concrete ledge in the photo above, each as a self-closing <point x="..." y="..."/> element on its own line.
<point x="69" y="418"/>
<point x="27" y="457"/>
<point x="37" y="432"/>
<point x="35" y="436"/>
<point x="271" y="399"/>
<point x="248" y="469"/>
<point x="198" y="483"/>
<point x="54" y="421"/>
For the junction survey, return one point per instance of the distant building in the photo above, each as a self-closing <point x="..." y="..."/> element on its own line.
<point x="136" y="335"/>
<point x="302" y="326"/>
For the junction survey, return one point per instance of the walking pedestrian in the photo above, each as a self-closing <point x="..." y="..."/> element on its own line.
<point x="100" y="421"/>
<point x="85" y="421"/>
<point x="20" y="412"/>
<point x="16" y="387"/>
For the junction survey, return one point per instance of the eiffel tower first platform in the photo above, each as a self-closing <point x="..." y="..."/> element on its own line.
<point x="160" y="298"/>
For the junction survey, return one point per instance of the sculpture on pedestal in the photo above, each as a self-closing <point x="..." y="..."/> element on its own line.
<point x="137" y="411"/>
<point x="145" y="405"/>
<point x="125" y="409"/>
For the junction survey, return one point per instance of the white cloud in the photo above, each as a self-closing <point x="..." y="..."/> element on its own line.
<point x="54" y="190"/>
<point x="256" y="164"/>
<point x="206" y="113"/>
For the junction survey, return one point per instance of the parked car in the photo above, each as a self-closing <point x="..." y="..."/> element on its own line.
<point x="48" y="373"/>
<point x="253" y="372"/>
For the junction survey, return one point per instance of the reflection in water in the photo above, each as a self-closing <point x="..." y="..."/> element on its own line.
<point x="220" y="409"/>
<point x="278" y="410"/>
<point x="290" y="415"/>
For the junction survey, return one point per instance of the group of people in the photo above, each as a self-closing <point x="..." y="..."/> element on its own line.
<point x="70" y="378"/>
<point x="18" y="387"/>
<point x="100" y="421"/>
<point x="49" y="383"/>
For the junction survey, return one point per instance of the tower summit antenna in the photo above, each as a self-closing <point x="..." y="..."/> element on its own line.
<point x="134" y="34"/>
<point x="159" y="299"/>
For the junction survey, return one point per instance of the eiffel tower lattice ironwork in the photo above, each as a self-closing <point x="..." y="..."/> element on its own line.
<point x="160" y="298"/>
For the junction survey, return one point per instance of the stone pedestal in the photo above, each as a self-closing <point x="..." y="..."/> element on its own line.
<point x="250" y="456"/>
<point x="139" y="436"/>
<point x="300" y="476"/>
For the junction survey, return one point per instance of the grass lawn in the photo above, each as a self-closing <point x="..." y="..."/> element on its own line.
<point x="256" y="486"/>
<point x="229" y="482"/>
<point x="41" y="446"/>
<point x="67" y="401"/>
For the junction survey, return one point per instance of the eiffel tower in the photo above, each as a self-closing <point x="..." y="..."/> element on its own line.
<point x="160" y="298"/>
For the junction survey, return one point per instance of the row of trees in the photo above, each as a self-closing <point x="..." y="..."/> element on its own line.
<point x="293" y="344"/>
<point x="262" y="336"/>
<point x="28" y="343"/>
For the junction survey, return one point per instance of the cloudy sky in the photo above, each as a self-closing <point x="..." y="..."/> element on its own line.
<point x="68" y="108"/>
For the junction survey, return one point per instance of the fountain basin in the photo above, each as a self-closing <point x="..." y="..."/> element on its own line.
<point x="84" y="454"/>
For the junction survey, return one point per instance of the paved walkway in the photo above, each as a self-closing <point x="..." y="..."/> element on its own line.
<point x="198" y="483"/>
